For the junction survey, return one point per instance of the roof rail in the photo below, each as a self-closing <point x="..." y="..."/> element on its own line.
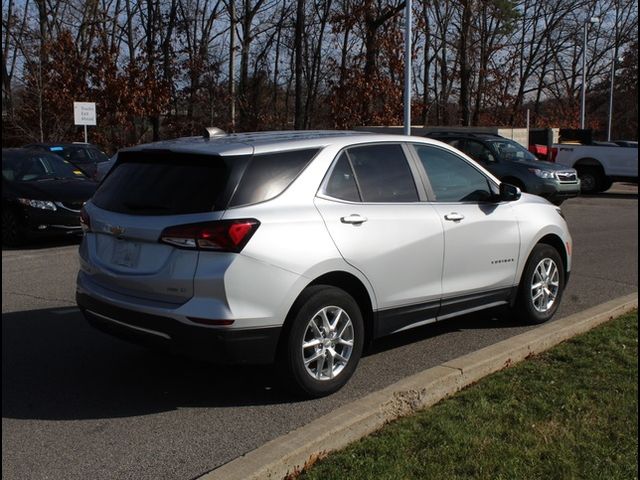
<point x="210" y="132"/>
<point x="440" y="133"/>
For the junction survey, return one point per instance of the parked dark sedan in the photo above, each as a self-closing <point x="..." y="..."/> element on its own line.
<point x="514" y="164"/>
<point x="85" y="156"/>
<point x="42" y="194"/>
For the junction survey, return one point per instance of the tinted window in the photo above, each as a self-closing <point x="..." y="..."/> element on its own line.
<point x="166" y="183"/>
<point x="36" y="166"/>
<point x="453" y="179"/>
<point x="80" y="154"/>
<point x="455" y="143"/>
<point x="511" y="151"/>
<point x="268" y="175"/>
<point x="342" y="183"/>
<point x="383" y="174"/>
<point x="477" y="151"/>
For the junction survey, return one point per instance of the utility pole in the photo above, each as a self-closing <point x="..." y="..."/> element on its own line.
<point x="407" y="69"/>
<point x="297" y="119"/>
<point x="592" y="20"/>
<point x="613" y="75"/>
<point x="232" y="61"/>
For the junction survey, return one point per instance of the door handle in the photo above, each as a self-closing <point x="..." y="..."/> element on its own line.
<point x="354" y="219"/>
<point x="454" y="216"/>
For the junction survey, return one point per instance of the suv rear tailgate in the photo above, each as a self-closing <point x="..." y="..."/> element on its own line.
<point x="147" y="192"/>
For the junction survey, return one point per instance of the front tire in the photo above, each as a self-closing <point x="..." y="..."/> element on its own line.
<point x="12" y="232"/>
<point x="590" y="179"/>
<point x="541" y="285"/>
<point x="324" y="342"/>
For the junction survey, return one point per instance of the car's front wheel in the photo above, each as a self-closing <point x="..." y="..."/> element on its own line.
<point x="324" y="341"/>
<point x="12" y="233"/>
<point x="590" y="179"/>
<point x="541" y="285"/>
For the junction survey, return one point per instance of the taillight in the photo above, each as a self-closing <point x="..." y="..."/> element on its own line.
<point x="85" y="220"/>
<point x="221" y="235"/>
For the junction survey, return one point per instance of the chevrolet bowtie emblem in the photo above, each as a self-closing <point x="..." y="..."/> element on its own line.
<point x="114" y="230"/>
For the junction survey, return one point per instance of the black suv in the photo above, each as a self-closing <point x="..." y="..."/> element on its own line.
<point x="514" y="164"/>
<point x="85" y="156"/>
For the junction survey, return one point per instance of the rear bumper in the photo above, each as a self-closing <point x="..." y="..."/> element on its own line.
<point x="220" y="345"/>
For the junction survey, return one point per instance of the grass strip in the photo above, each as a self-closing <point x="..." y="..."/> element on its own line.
<point x="570" y="413"/>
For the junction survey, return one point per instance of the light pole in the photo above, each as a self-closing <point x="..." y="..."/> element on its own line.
<point x="592" y="20"/>
<point x="613" y="73"/>
<point x="407" y="69"/>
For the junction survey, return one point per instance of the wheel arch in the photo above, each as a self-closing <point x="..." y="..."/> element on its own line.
<point x="348" y="283"/>
<point x="588" y="162"/>
<point x="556" y="242"/>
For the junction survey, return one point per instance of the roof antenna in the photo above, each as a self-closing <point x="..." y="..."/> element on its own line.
<point x="210" y="132"/>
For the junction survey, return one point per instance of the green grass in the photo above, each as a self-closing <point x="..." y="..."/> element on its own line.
<point x="570" y="413"/>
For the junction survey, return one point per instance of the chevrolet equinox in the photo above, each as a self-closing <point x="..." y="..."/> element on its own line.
<point x="301" y="247"/>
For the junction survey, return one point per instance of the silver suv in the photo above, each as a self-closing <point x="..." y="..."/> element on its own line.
<point x="301" y="247"/>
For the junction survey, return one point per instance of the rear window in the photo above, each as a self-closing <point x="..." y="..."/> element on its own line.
<point x="268" y="175"/>
<point x="168" y="183"/>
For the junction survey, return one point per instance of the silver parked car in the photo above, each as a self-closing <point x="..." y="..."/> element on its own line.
<point x="301" y="247"/>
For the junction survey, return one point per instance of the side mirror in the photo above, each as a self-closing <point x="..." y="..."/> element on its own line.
<point x="509" y="193"/>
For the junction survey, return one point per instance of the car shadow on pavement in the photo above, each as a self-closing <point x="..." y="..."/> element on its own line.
<point x="611" y="195"/>
<point x="44" y="243"/>
<point x="489" y="319"/>
<point x="56" y="367"/>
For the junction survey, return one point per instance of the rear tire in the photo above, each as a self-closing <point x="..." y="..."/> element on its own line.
<point x="541" y="285"/>
<point x="324" y="343"/>
<point x="605" y="185"/>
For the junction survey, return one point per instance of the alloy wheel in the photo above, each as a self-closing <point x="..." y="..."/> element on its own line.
<point x="545" y="285"/>
<point x="327" y="343"/>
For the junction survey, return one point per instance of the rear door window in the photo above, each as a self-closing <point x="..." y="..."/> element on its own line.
<point x="383" y="174"/>
<point x="167" y="183"/>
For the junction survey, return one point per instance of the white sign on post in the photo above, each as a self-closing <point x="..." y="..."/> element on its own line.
<point x="84" y="113"/>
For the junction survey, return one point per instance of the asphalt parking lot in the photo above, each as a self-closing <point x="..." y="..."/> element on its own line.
<point x="78" y="404"/>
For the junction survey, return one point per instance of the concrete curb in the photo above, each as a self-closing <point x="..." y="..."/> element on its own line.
<point x="289" y="453"/>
